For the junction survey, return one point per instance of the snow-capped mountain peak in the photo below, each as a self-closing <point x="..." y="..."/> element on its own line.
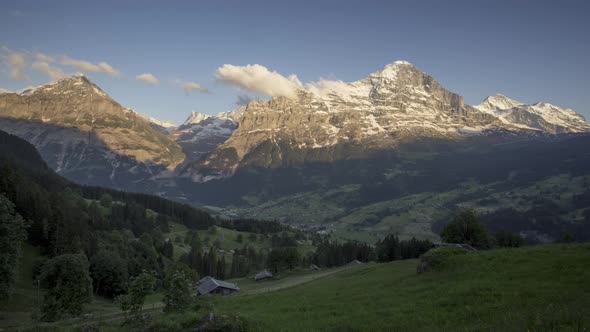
<point x="498" y="102"/>
<point x="195" y="117"/>
<point x="78" y="83"/>
<point x="538" y="116"/>
<point x="163" y="126"/>
<point x="202" y="133"/>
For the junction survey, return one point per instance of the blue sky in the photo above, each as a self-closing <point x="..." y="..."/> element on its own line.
<point x="528" y="50"/>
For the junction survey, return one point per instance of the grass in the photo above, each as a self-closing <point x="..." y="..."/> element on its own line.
<point x="543" y="288"/>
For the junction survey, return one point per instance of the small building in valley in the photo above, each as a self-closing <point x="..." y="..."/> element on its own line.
<point x="314" y="267"/>
<point x="263" y="275"/>
<point x="209" y="285"/>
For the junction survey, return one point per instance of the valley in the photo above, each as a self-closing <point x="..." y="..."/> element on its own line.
<point x="294" y="166"/>
<point x="394" y="152"/>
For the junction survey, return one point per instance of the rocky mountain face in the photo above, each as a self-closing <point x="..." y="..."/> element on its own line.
<point x="201" y="133"/>
<point x="85" y="135"/>
<point x="335" y="120"/>
<point x="539" y="116"/>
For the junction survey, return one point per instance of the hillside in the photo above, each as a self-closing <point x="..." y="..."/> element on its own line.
<point x="512" y="182"/>
<point x="540" y="288"/>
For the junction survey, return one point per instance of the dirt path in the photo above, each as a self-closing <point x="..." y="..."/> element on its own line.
<point x="292" y="282"/>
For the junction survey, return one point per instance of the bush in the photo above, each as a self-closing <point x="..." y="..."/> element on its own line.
<point x="466" y="228"/>
<point x="439" y="258"/>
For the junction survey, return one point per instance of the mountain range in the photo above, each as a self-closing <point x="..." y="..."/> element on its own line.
<point x="343" y="138"/>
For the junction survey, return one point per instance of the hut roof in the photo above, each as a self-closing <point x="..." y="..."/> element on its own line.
<point x="262" y="275"/>
<point x="211" y="284"/>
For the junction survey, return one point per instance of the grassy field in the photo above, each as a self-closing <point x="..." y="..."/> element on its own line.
<point x="542" y="288"/>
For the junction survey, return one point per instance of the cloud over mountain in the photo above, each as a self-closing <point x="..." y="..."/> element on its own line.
<point x="49" y="70"/>
<point x="191" y="87"/>
<point x="15" y="61"/>
<point x="257" y="78"/>
<point x="82" y="65"/>
<point x="147" y="78"/>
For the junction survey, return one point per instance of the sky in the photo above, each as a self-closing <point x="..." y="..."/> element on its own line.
<point x="168" y="58"/>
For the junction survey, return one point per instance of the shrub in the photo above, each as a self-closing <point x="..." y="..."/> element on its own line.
<point x="466" y="228"/>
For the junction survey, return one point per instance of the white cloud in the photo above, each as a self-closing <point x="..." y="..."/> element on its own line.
<point x="192" y="86"/>
<point x="18" y="74"/>
<point x="83" y="65"/>
<point x="147" y="78"/>
<point x="259" y="79"/>
<point x="47" y="69"/>
<point x="16" y="60"/>
<point x="44" y="57"/>
<point x="105" y="67"/>
<point x="324" y="87"/>
<point x="16" y="63"/>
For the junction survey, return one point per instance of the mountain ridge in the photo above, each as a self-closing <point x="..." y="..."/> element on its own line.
<point x="394" y="103"/>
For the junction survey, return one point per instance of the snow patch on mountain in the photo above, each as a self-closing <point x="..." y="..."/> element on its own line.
<point x="202" y="133"/>
<point x="538" y="116"/>
<point x="195" y="118"/>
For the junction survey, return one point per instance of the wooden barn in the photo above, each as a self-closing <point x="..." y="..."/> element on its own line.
<point x="209" y="285"/>
<point x="263" y="275"/>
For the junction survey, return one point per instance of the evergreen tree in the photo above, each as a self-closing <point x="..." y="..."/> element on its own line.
<point x="12" y="235"/>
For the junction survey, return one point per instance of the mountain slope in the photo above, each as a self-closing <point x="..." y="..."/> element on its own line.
<point x="201" y="133"/>
<point x="539" y="116"/>
<point x="84" y="134"/>
<point x="334" y="120"/>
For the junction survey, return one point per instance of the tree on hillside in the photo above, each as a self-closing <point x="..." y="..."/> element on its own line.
<point x="139" y="288"/>
<point x="179" y="290"/>
<point x="287" y="257"/>
<point x="106" y="201"/>
<point x="167" y="249"/>
<point x="67" y="286"/>
<point x="392" y="248"/>
<point x="109" y="274"/>
<point x="466" y="228"/>
<point x="12" y="235"/>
